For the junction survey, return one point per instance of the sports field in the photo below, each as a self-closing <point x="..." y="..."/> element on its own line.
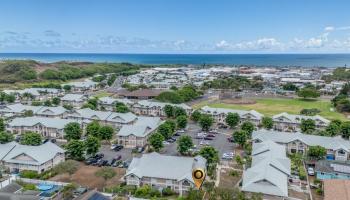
<point x="272" y="106"/>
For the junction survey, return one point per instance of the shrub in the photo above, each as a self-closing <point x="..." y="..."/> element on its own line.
<point x="29" y="174"/>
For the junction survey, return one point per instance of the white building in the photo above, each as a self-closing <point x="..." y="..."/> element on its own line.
<point x="156" y="109"/>
<point x="160" y="171"/>
<point x="108" y="103"/>
<point x="219" y="114"/>
<point x="290" y="122"/>
<point x="337" y="147"/>
<point x="75" y="100"/>
<point x="137" y="134"/>
<point x="269" y="171"/>
<point x="40" y="158"/>
<point x="47" y="127"/>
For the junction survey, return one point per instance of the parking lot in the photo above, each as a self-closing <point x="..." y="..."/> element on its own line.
<point x="219" y="142"/>
<point x="109" y="154"/>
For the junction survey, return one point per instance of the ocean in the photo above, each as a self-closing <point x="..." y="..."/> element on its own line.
<point x="304" y="60"/>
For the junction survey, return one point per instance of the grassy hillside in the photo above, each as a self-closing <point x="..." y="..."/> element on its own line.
<point x="29" y="71"/>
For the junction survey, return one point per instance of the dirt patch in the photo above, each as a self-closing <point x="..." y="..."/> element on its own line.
<point x="85" y="176"/>
<point x="227" y="180"/>
<point x="240" y="101"/>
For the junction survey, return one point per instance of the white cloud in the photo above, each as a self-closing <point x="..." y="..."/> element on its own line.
<point x="329" y="28"/>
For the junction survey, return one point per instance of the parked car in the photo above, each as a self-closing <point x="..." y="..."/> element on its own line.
<point x="140" y="149"/>
<point x="208" y="138"/>
<point x="228" y="155"/>
<point x="90" y="160"/>
<point x="181" y="131"/>
<point x="117" y="163"/>
<point x="165" y="143"/>
<point x="118" y="157"/>
<point x="204" y="143"/>
<point x="102" y="163"/>
<point x="210" y="135"/>
<point x="118" y="147"/>
<point x="99" y="156"/>
<point x="171" y="140"/>
<point x="230" y="139"/>
<point x="310" y="171"/>
<point x="113" y="146"/>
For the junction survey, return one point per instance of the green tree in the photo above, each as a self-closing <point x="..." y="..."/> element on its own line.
<point x="196" y="115"/>
<point x="75" y="149"/>
<point x="47" y="103"/>
<point x="240" y="137"/>
<point x="111" y="79"/>
<point x="184" y="143"/>
<point x="6" y="137"/>
<point x="156" y="141"/>
<point x="178" y="111"/>
<point x="170" y="96"/>
<point x="169" y="111"/>
<point x="307" y="126"/>
<point x="248" y="127"/>
<point x="106" y="173"/>
<point x="121" y="107"/>
<point x="67" y="88"/>
<point x="334" y="128"/>
<point x="72" y="131"/>
<point x="2" y="125"/>
<point x="211" y="154"/>
<point x="267" y="122"/>
<point x="317" y="152"/>
<point x="92" y="145"/>
<point x="93" y="128"/>
<point x="28" y="113"/>
<point x="31" y="138"/>
<point x="68" y="191"/>
<point x="106" y="132"/>
<point x="181" y="121"/>
<point x="56" y="101"/>
<point x="10" y="98"/>
<point x="68" y="106"/>
<point x="345" y="129"/>
<point x="232" y="119"/>
<point x="206" y="121"/>
<point x="165" y="130"/>
<point x="308" y="92"/>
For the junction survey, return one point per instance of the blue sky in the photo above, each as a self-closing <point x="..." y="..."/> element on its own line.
<point x="175" y="26"/>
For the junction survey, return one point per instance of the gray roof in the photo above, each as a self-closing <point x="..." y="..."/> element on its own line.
<point x="111" y="101"/>
<point x="166" y="167"/>
<point x="310" y="140"/>
<point x="241" y="113"/>
<point x="9" y="196"/>
<point x="46" y="110"/>
<point x="38" y="154"/>
<point x="88" y="113"/>
<point x="33" y="91"/>
<point x="45" y="121"/>
<point x="147" y="103"/>
<point x="19" y="108"/>
<point x="83" y="84"/>
<point x="74" y="97"/>
<point x="141" y="128"/>
<point x="269" y="171"/>
<point x="286" y="117"/>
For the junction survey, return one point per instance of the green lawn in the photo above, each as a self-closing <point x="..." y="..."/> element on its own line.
<point x="274" y="106"/>
<point x="100" y="94"/>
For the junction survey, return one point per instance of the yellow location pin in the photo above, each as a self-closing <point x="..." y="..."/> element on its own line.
<point x="198" y="176"/>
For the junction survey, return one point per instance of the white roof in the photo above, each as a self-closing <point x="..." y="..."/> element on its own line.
<point x="110" y="101"/>
<point x="44" y="121"/>
<point x="241" y="113"/>
<point x="310" y="140"/>
<point x="270" y="170"/>
<point x="38" y="154"/>
<point x="285" y="117"/>
<point x="73" y="97"/>
<point x="141" y="128"/>
<point x="33" y="91"/>
<point x="84" y="84"/>
<point x="88" y="113"/>
<point x="42" y="110"/>
<point x="147" y="103"/>
<point x="156" y="165"/>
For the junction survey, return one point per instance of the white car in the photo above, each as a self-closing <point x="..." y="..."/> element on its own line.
<point x="165" y="143"/>
<point x="310" y="171"/>
<point x="228" y="155"/>
<point x="204" y="143"/>
<point x="113" y="146"/>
